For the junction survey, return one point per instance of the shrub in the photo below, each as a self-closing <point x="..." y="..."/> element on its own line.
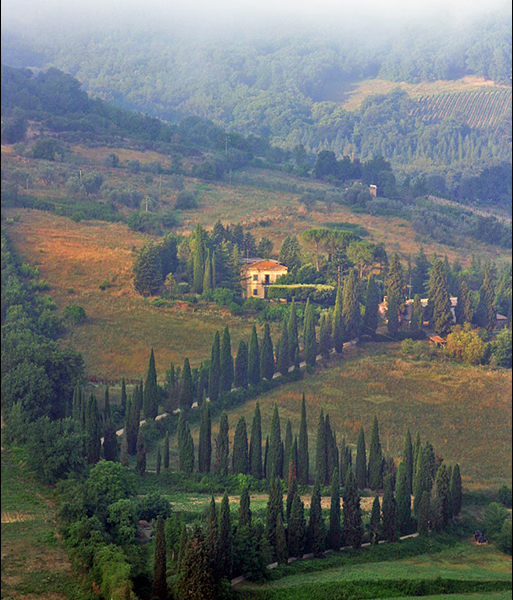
<point x="504" y="496"/>
<point x="495" y="515"/>
<point x="74" y="314"/>
<point x="466" y="345"/>
<point x="321" y="294"/>
<point x="152" y="506"/>
<point x="186" y="200"/>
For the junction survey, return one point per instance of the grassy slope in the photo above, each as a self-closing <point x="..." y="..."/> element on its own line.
<point x="34" y="565"/>
<point x="464" y="411"/>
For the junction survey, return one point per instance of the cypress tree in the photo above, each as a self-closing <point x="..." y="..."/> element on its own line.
<point x="287" y="447"/>
<point x="76" y="406"/>
<point x="302" y="451"/>
<point x="110" y="441"/>
<point x="338" y="327"/>
<point x="416" y="453"/>
<point x="352" y="517"/>
<point x="395" y="284"/>
<point x="267" y="355"/>
<point x="185" y="446"/>
<point x="375" y="459"/>
<point x="141" y="454"/>
<point x="375" y="521"/>
<point x="361" y="462"/>
<point x="309" y="339"/>
<point x="166" y="450"/>
<point x="151" y="390"/>
<point x="455" y="490"/>
<point x="124" y="450"/>
<point x="403" y="499"/>
<point x="420" y="272"/>
<point x="241" y="366"/>
<point x="205" y="439"/>
<point x="430" y="451"/>
<point x="324" y="337"/>
<point x="291" y="489"/>
<point x="160" y="589"/>
<point x="131" y="427"/>
<point x="292" y="333"/>
<point x="240" y="459"/>
<point x="335" y="530"/>
<point x="274" y="468"/>
<point x="226" y="363"/>
<point x="417" y="315"/>
<point x="222" y="446"/>
<point x="439" y="302"/>
<point x="186" y="387"/>
<point x="297" y="527"/>
<point x="316" y="532"/>
<point x="214" y="371"/>
<point x="392" y="315"/>
<point x="423" y="480"/>
<point x="321" y="458"/>
<point x="485" y="314"/>
<point x="424" y="512"/>
<point x="266" y="454"/>
<point x="370" y="318"/>
<point x="350" y="306"/>
<point x="244" y="509"/>
<point x="464" y="310"/>
<point x="123" y="399"/>
<point x="207" y="274"/>
<point x="212" y="537"/>
<point x="254" y="359"/>
<point x="283" y="360"/>
<point x="408" y="461"/>
<point x="198" y="258"/>
<point x="255" y="445"/>
<point x="159" y="461"/>
<point x="443" y="493"/>
<point x="281" y="542"/>
<point x="225" y="538"/>
<point x="389" y="510"/>
<point x="106" y="406"/>
<point x="93" y="430"/>
<point x="182" y="548"/>
<point x="274" y="508"/>
<point x="346" y="461"/>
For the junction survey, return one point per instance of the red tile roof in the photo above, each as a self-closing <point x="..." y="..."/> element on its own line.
<point x="266" y="265"/>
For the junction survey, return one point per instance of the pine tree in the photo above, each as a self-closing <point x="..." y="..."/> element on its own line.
<point x="375" y="476"/>
<point x="464" y="310"/>
<point x="222" y="446"/>
<point x="372" y="298"/>
<point x="282" y="554"/>
<point x="335" y="530"/>
<point x="375" y="521"/>
<point x="403" y="499"/>
<point x="455" y="490"/>
<point x="485" y="314"/>
<point x="148" y="270"/>
<point x="408" y="460"/>
<point x="185" y="446"/>
<point x="226" y="362"/>
<point x="338" y="326"/>
<point x="244" y="510"/>
<point x="93" y="430"/>
<point x="443" y="493"/>
<point x="439" y="302"/>
<point x="350" y="306"/>
<point x="160" y="589"/>
<point x="417" y="315"/>
<point x="166" y="450"/>
<point x="361" y="461"/>
<point x="254" y="377"/>
<point x="424" y="512"/>
<point x="274" y="508"/>
<point x="420" y="273"/>
<point x="214" y="374"/>
<point x="274" y="468"/>
<point x="225" y="538"/>
<point x="395" y="284"/>
<point x="321" y="458"/>
<point x="186" y="387"/>
<point x="297" y="527"/>
<point x="283" y="360"/>
<point x="291" y="489"/>
<point x="292" y="333"/>
<point x="205" y="439"/>
<point x="151" y="390"/>
<point x="267" y="355"/>
<point x="123" y="399"/>
<point x="309" y="339"/>
<point x="141" y="454"/>
<point x="255" y="445"/>
<point x="352" y="519"/>
<point x="240" y="458"/>
<point x="316" y="532"/>
<point x="302" y="450"/>
<point x="392" y="315"/>
<point x="241" y="366"/>
<point x="389" y="510"/>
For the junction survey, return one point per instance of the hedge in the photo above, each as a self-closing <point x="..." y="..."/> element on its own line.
<point x="321" y="294"/>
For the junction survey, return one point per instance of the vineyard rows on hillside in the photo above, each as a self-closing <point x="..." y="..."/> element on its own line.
<point x="480" y="109"/>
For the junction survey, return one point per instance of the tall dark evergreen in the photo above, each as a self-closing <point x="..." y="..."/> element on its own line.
<point x="361" y="461"/>
<point x="244" y="509"/>
<point x="486" y="311"/>
<point x="332" y="457"/>
<point x="214" y="373"/>
<point x="420" y="273"/>
<point x="424" y="513"/>
<point x="423" y="478"/>
<point x="123" y="453"/>
<point x="309" y="339"/>
<point x="160" y="588"/>
<point x="292" y="488"/>
<point x="205" y="439"/>
<point x="350" y="306"/>
<point x="141" y="454"/>
<point x="439" y="301"/>
<point x="302" y="450"/>
<point x="297" y="527"/>
<point x="241" y="366"/>
<point x="254" y="376"/>
<point x="324" y="337"/>
<point x="443" y="492"/>
<point x="158" y="461"/>
<point x="316" y="532"/>
<point x="395" y="284"/>
<point x="274" y="464"/>
<point x="267" y="355"/>
<point x="240" y="457"/>
<point x="266" y="454"/>
<point x="282" y="553"/>
<point x="255" y="445"/>
<point x="199" y="252"/>
<point x="151" y="390"/>
<point x="403" y="499"/>
<point x="292" y="333"/>
<point x="408" y="460"/>
<point x="185" y="446"/>
<point x="93" y="430"/>
<point x="375" y="521"/>
<point x="335" y="529"/>
<point x="225" y="538"/>
<point x="207" y="274"/>
<point x="372" y="298"/>
<point x="166" y="450"/>
<point x="287" y="448"/>
<point x="283" y="360"/>
<point x="274" y="508"/>
<point x="321" y="458"/>
<point x="346" y="461"/>
<point x="129" y="431"/>
<point x="186" y="387"/>
<point x="212" y="538"/>
<point x="352" y="516"/>
<point x="123" y="398"/>
<point x="226" y="363"/>
<point x="464" y="309"/>
<point x="375" y="476"/>
<point x="392" y="314"/>
<point x="222" y="446"/>
<point x="417" y="315"/>
<point x="389" y="510"/>
<point x="338" y="326"/>
<point x="455" y="490"/>
<point x="110" y="441"/>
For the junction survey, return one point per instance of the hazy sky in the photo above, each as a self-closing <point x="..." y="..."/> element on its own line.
<point x="221" y="13"/>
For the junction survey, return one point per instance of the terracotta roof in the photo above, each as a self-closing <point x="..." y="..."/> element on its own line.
<point x="266" y="265"/>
